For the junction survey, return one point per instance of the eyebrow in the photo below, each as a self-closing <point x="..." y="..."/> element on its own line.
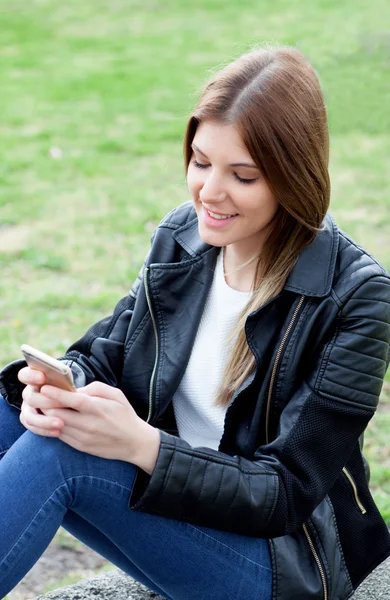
<point x="240" y="164"/>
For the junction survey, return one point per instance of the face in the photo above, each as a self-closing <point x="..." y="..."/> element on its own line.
<point x="233" y="202"/>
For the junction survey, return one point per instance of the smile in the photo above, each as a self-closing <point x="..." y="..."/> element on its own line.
<point x="213" y="219"/>
<point x="219" y="216"/>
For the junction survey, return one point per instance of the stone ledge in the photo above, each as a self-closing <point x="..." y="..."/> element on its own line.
<point x="115" y="585"/>
<point x="377" y="585"/>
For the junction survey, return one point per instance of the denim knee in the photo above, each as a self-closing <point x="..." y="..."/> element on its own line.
<point x="10" y="426"/>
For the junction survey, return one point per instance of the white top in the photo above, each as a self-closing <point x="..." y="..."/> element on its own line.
<point x="199" y="421"/>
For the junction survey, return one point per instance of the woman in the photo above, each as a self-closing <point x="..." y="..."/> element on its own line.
<point x="213" y="449"/>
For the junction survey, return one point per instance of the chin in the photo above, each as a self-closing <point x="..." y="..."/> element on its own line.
<point x="210" y="237"/>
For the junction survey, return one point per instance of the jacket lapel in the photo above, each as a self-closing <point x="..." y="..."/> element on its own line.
<point x="178" y="294"/>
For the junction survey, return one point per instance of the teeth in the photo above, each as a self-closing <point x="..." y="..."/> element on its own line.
<point x="215" y="216"/>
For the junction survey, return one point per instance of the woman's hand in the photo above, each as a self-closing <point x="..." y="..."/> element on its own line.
<point x="33" y="409"/>
<point x="102" y="422"/>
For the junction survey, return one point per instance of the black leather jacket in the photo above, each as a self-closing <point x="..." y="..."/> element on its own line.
<point x="289" y="467"/>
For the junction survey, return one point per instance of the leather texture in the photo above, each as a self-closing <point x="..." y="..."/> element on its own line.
<point x="278" y="472"/>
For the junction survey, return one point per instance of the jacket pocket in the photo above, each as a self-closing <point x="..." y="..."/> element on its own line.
<point x="354" y="489"/>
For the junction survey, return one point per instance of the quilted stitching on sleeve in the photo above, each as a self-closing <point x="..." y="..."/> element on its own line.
<point x="359" y="354"/>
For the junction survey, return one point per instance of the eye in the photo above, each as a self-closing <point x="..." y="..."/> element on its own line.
<point x="199" y="165"/>
<point x="246" y="181"/>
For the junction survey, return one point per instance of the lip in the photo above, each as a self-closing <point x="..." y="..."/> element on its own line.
<point x="216" y="223"/>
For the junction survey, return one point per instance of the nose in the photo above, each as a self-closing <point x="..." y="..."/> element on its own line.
<point x="212" y="188"/>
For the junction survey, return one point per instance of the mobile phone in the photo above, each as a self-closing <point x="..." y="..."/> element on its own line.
<point x="57" y="373"/>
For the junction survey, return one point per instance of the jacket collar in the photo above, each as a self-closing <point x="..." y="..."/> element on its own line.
<point x="313" y="272"/>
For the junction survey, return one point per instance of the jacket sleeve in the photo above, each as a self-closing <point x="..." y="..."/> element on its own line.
<point x="275" y="493"/>
<point x="98" y="355"/>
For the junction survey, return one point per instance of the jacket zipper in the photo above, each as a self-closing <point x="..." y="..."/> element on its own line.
<point x="276" y="363"/>
<point x="157" y="349"/>
<point x="271" y="386"/>
<point x="318" y="561"/>
<point x="354" y="488"/>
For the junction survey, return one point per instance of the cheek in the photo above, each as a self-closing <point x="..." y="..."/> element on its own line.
<point x="270" y="205"/>
<point x="263" y="205"/>
<point x="194" y="181"/>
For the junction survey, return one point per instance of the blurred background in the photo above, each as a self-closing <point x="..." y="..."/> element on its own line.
<point x="94" y="100"/>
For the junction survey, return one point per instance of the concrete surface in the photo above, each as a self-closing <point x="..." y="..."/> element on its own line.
<point x="377" y="584"/>
<point x="113" y="585"/>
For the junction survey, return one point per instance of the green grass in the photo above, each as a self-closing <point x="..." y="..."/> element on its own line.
<point x="94" y="101"/>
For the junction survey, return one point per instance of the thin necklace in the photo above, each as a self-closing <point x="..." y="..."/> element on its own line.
<point x="245" y="264"/>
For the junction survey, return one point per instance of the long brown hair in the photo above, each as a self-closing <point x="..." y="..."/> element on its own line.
<point x="273" y="97"/>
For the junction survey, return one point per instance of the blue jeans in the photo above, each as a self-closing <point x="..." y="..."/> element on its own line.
<point x="45" y="484"/>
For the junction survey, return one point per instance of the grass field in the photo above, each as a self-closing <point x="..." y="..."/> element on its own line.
<point x="94" y="100"/>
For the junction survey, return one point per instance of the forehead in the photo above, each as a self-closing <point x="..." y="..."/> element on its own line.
<point x="222" y="140"/>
